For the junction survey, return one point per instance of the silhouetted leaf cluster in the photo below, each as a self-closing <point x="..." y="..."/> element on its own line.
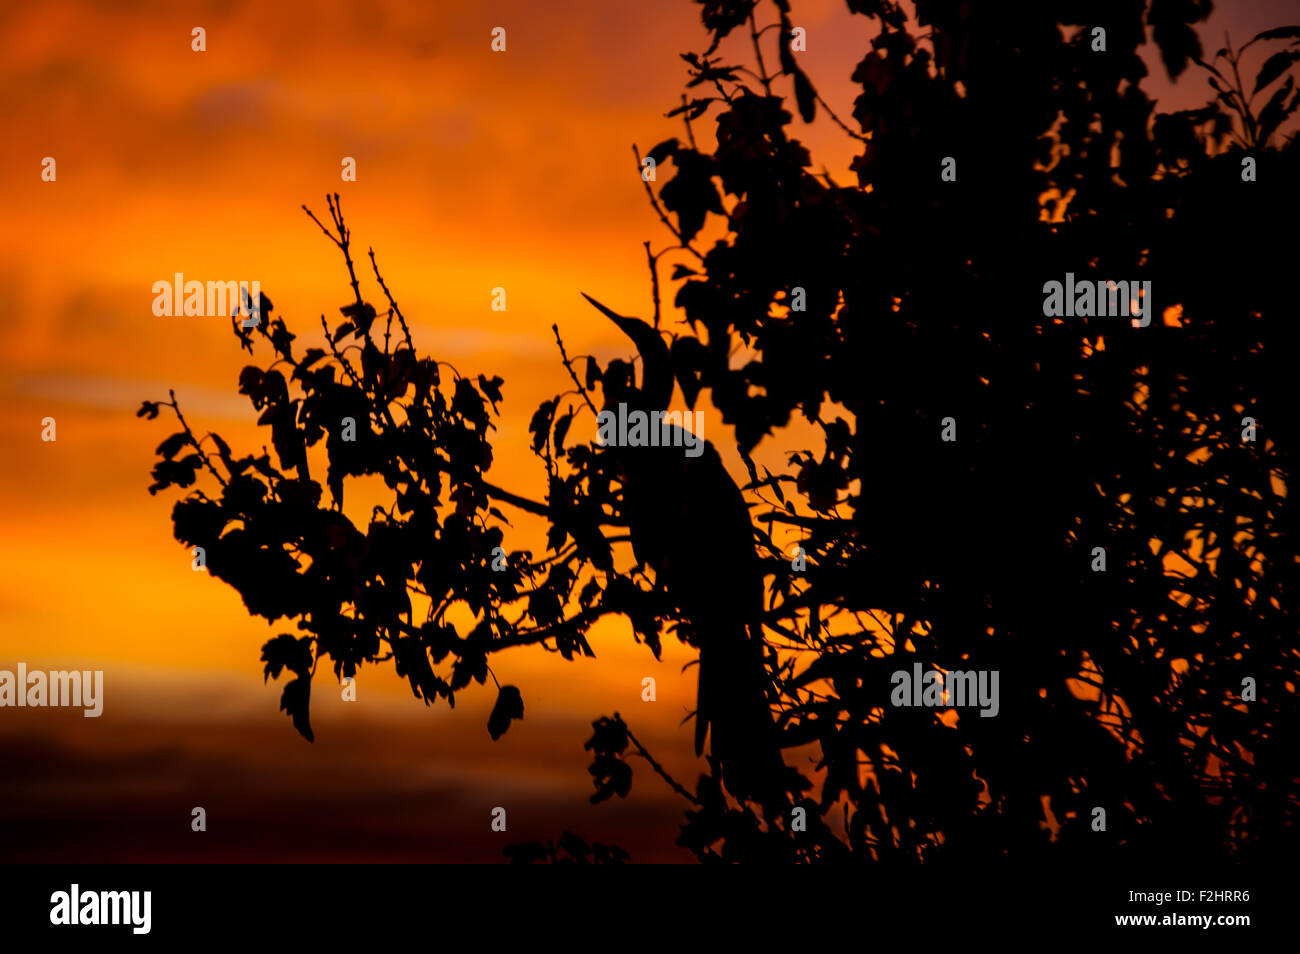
<point x="571" y="849"/>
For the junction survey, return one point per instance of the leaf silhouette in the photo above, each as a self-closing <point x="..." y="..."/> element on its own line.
<point x="509" y="706"/>
<point x="1275" y="66"/>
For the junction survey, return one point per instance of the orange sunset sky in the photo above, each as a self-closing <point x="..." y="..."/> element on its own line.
<point x="475" y="169"/>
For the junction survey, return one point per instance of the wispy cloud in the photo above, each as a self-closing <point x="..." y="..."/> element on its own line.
<point x="119" y="394"/>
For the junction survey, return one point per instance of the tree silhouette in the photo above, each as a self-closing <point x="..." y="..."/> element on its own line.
<point x="886" y="313"/>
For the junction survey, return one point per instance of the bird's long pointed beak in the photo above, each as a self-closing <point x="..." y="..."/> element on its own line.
<point x="626" y="325"/>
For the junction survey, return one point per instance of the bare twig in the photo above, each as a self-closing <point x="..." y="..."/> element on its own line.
<point x="663" y="216"/>
<point x="659" y="769"/>
<point x="523" y="503"/>
<point x="686" y="121"/>
<point x="568" y="365"/>
<point x="839" y="122"/>
<point x="758" y="54"/>
<point x="338" y="356"/>
<point x="406" y="332"/>
<point x="343" y="240"/>
<point x="652" y="261"/>
<point x="176" y="408"/>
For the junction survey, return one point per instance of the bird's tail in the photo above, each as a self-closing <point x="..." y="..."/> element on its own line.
<point x="732" y="706"/>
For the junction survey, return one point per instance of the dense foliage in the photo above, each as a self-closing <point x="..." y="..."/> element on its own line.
<point x="1120" y="688"/>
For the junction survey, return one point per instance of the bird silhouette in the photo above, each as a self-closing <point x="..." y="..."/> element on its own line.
<point x="688" y="521"/>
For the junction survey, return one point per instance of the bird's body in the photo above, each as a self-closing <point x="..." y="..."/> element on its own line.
<point x="689" y="523"/>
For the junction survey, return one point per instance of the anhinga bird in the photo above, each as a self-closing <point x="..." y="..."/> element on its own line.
<point x="688" y="520"/>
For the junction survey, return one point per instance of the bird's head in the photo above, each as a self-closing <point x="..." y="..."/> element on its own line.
<point x="656" y="389"/>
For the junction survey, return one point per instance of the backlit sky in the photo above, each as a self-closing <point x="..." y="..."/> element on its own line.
<point x="475" y="169"/>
